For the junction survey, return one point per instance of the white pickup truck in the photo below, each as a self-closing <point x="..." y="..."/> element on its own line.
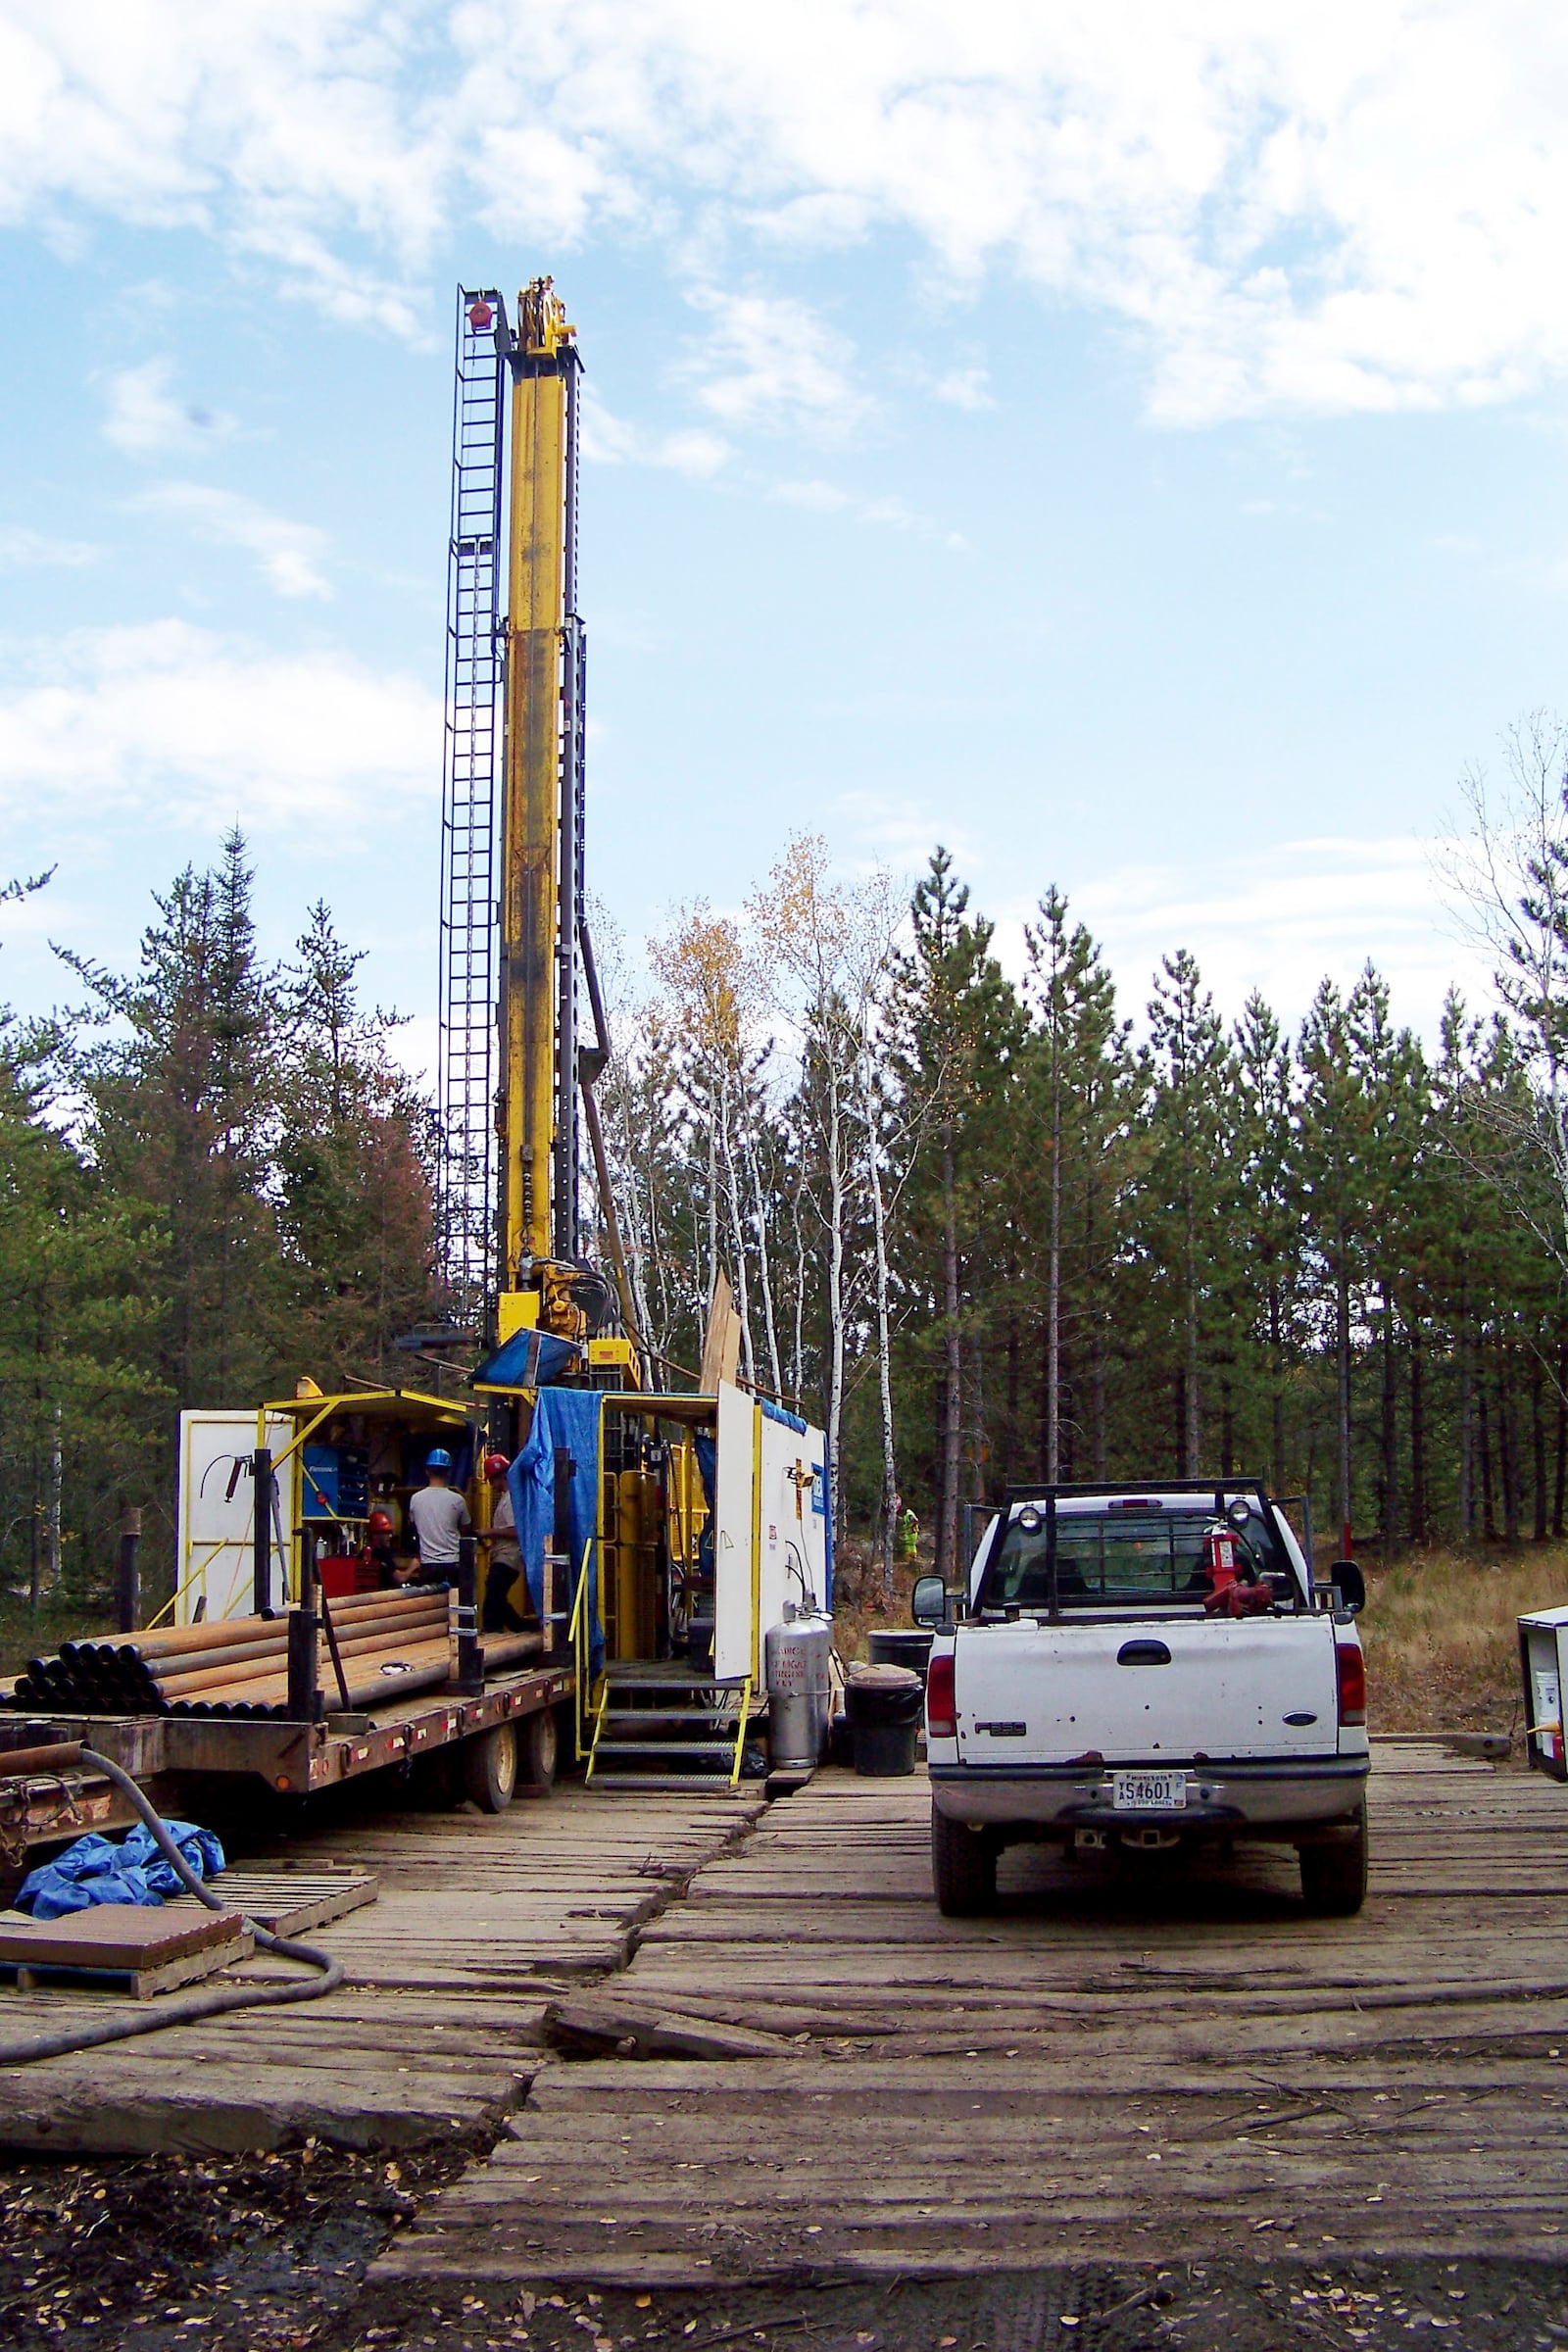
<point x="1145" y="1668"/>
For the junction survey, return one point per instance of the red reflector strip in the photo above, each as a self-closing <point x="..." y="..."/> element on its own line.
<point x="941" y="1705"/>
<point x="1350" y="1669"/>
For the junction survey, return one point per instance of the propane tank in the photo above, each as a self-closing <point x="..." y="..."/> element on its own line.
<point x="796" y="1654"/>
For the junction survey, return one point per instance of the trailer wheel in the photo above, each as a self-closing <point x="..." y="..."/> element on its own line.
<point x="537" y="1745"/>
<point x="1333" y="1877"/>
<point x="490" y="1768"/>
<point x="963" y="1868"/>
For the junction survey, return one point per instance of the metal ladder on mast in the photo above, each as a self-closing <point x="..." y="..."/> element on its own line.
<point x="475" y="681"/>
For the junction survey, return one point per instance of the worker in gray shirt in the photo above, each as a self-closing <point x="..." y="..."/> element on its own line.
<point x="439" y="1517"/>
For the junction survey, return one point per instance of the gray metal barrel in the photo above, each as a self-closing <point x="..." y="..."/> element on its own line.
<point x="796" y="1658"/>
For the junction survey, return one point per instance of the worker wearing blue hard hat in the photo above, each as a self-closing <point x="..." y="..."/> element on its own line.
<point x="439" y="1517"/>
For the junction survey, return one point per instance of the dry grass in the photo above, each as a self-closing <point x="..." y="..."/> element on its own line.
<point x="1441" y="1644"/>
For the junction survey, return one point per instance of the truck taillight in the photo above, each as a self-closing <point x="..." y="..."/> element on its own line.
<point x="1351" y="1667"/>
<point x="940" y="1706"/>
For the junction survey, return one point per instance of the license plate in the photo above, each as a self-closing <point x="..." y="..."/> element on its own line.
<point x="1148" y="1791"/>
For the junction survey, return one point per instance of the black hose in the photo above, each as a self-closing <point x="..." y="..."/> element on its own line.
<point x="192" y="2007"/>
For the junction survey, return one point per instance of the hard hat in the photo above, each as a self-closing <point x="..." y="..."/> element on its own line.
<point x="496" y="1466"/>
<point x="381" y="1524"/>
<point x="440" y="1459"/>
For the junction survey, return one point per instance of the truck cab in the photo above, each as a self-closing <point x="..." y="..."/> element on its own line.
<point x="1145" y="1668"/>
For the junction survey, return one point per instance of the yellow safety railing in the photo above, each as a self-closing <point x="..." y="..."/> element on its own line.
<point x="598" y="1726"/>
<point x="579" y="1634"/>
<point x="740" y="1733"/>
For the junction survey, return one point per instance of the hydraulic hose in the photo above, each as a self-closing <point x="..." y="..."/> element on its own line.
<point x="190" y="2007"/>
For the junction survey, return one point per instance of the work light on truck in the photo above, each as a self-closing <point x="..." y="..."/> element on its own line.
<point x="941" y="1703"/>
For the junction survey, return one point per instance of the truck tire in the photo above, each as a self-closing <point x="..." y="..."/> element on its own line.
<point x="963" y="1868"/>
<point x="490" y="1767"/>
<point x="1333" y="1877"/>
<point x="537" y="1742"/>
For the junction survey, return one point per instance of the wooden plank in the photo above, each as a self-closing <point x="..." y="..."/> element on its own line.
<point x="1098" y="2072"/>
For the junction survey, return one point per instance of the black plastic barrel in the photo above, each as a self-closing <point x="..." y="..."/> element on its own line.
<point x="884" y="1704"/>
<point x="902" y="1645"/>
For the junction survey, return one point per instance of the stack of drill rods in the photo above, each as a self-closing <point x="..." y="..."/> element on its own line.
<point x="240" y="1648"/>
<point x="178" y="1666"/>
<point x="175" y="1679"/>
<point x="385" y="1676"/>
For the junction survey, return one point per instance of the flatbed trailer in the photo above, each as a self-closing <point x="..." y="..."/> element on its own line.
<point x="181" y="1759"/>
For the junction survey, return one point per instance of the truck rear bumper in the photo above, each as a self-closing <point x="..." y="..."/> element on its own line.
<point x="1236" y="1800"/>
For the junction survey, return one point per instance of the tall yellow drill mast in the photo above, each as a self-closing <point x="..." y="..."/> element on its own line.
<point x="541" y="828"/>
<point x="512" y="929"/>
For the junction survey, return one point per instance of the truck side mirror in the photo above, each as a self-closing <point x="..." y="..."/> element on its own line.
<point x="928" y="1603"/>
<point x="1352" y="1583"/>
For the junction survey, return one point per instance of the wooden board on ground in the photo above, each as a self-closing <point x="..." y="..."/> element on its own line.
<point x="1117" y="2068"/>
<point x="479" y="1922"/>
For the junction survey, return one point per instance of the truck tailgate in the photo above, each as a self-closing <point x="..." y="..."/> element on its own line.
<point x="1032" y="1692"/>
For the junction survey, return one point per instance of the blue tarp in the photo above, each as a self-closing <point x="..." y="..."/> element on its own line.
<point x="529" y="1360"/>
<point x="96" y="1871"/>
<point x="569" y="1418"/>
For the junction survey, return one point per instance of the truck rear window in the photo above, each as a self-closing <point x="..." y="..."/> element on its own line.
<point x="1118" y="1559"/>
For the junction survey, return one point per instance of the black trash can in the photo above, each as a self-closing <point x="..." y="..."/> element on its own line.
<point x="884" y="1705"/>
<point x="902" y="1645"/>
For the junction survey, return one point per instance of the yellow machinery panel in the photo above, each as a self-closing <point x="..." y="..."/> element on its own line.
<point x="516" y="1311"/>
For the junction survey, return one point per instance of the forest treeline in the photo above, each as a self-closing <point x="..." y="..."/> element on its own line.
<point x="214" y="1177"/>
<point x="985" y="1227"/>
<point x="992" y="1230"/>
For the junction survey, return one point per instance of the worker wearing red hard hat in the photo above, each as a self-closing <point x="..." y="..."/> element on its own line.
<point x="380" y="1536"/>
<point x="499" y="1615"/>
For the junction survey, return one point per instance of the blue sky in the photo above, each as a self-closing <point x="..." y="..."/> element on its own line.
<point x="1126" y="445"/>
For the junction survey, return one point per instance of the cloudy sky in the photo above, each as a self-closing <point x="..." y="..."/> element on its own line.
<point x="1124" y="441"/>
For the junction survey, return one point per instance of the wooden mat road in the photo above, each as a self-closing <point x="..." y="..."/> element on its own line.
<point x="1101" y="2070"/>
<point x="438" y="2029"/>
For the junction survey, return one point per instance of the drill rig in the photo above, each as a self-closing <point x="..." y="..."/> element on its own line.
<point x="515" y="1074"/>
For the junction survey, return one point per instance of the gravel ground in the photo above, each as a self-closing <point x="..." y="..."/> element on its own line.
<point x="271" y="2252"/>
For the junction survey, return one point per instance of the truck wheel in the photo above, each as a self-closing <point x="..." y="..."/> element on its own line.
<point x="1333" y="1877"/>
<point x="536" y="1751"/>
<point x="963" y="1868"/>
<point x="490" y="1768"/>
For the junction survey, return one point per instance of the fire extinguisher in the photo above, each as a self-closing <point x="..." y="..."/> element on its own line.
<point x="1224" y="1559"/>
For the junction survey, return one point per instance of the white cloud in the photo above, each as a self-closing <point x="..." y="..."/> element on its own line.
<point x="1279" y="919"/>
<point x="609" y="440"/>
<point x="143" y="417"/>
<point x="288" y="553"/>
<point x="23" y="548"/>
<point x="177" y="725"/>
<point x="767" y="360"/>
<point x="965" y="388"/>
<point x="893" y="513"/>
<point x="1318" y="206"/>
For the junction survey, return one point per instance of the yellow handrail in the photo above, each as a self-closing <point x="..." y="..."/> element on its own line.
<point x="740" y="1736"/>
<point x="578" y="1635"/>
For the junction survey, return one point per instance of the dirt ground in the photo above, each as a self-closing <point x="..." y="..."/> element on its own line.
<point x="271" y="2252"/>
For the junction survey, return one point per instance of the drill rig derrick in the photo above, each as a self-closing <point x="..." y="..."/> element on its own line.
<point x="530" y="1269"/>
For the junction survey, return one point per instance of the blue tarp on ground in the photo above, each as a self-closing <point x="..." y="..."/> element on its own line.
<point x="529" y="1360"/>
<point x="97" y="1871"/>
<point x="569" y="1418"/>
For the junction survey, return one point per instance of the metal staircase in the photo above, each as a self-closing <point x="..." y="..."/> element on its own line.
<point x="659" y="1725"/>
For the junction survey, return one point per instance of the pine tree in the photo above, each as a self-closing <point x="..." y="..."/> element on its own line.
<point x="1187" y="1211"/>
